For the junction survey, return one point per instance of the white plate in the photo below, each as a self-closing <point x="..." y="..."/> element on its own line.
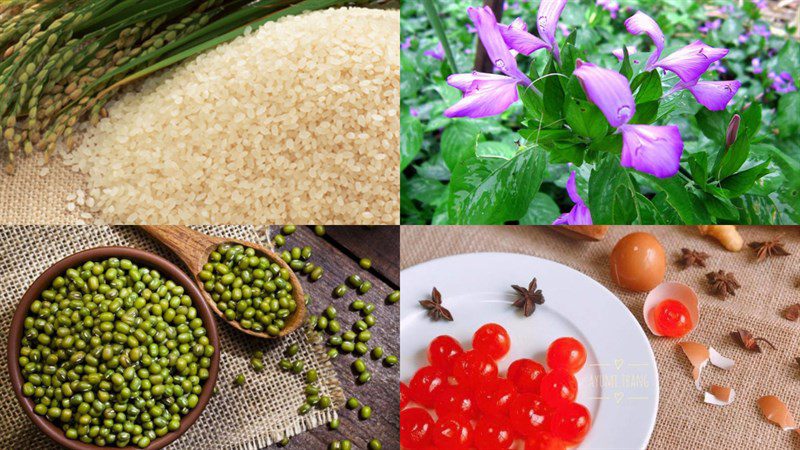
<point x="618" y="384"/>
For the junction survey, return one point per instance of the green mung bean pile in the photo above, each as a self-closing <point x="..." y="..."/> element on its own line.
<point x="114" y="353"/>
<point x="249" y="288"/>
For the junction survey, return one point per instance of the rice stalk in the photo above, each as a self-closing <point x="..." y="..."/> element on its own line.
<point x="61" y="61"/>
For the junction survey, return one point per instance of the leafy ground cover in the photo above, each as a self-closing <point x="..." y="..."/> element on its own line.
<point x="740" y="164"/>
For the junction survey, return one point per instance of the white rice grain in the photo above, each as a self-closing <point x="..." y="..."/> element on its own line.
<point x="295" y="122"/>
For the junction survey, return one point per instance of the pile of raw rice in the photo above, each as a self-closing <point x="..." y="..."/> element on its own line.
<point x="296" y="122"/>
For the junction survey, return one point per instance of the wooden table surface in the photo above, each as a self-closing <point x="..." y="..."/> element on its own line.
<point x="339" y="252"/>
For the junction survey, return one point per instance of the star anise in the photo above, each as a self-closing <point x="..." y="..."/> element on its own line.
<point x="434" y="306"/>
<point x="746" y="340"/>
<point x="722" y="283"/>
<point x="792" y="312"/>
<point x="773" y="247"/>
<point x="528" y="298"/>
<point x="692" y="258"/>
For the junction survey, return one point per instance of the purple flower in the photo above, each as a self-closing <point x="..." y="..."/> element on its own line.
<point x="485" y="94"/>
<point x="708" y="26"/>
<point x="717" y="66"/>
<point x="609" y="5"/>
<point x="579" y="214"/>
<point x="489" y="94"/>
<point x="492" y="40"/>
<point x="547" y="22"/>
<point x="620" y="54"/>
<point x="647" y="148"/>
<point x="756" y="63"/>
<point x="652" y="149"/>
<point x="471" y="29"/>
<point x="782" y="83"/>
<point x="564" y="29"/>
<point x="714" y="95"/>
<point x="691" y="61"/>
<point x="414" y="112"/>
<point x="761" y="4"/>
<point x="436" y="53"/>
<point x="727" y="9"/>
<point x="607" y="89"/>
<point x="761" y="30"/>
<point x="516" y="36"/>
<point x="743" y="38"/>
<point x="406" y="44"/>
<point x="642" y="23"/>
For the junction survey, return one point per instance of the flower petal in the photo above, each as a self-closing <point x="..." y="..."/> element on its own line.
<point x="572" y="189"/>
<point x="642" y="23"/>
<point x="547" y="22"/>
<point x="652" y="149"/>
<point x="578" y="215"/>
<point x="516" y="36"/>
<point x="620" y="54"/>
<point x="607" y="89"/>
<point x="714" y="95"/>
<point x="691" y="61"/>
<point x="492" y="41"/>
<point x="487" y="95"/>
<point x="463" y="81"/>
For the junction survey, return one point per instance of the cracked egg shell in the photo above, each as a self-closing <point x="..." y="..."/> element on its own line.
<point x="776" y="412"/>
<point x="671" y="290"/>
<point x="638" y="262"/>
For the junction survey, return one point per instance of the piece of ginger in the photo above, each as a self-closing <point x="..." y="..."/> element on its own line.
<point x="725" y="234"/>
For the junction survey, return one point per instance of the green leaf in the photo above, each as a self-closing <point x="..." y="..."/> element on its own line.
<point x="410" y="138"/>
<point x="431" y="10"/>
<point x="626" y="68"/>
<point x="789" y="57"/>
<point x="552" y="95"/>
<point x="612" y="195"/>
<point x="756" y="210"/>
<point x="741" y="182"/>
<point x="493" y="149"/>
<point x="730" y="160"/>
<point x="494" y="191"/>
<point x="713" y="124"/>
<point x="689" y="207"/>
<point x="650" y="89"/>
<point x="787" y="119"/>
<point x="567" y="153"/>
<point x="542" y="137"/>
<point x="458" y="141"/>
<point x="531" y="101"/>
<point x="542" y="211"/>
<point x="610" y="144"/>
<point x="751" y="122"/>
<point x="645" y="113"/>
<point x="427" y="191"/>
<point x="720" y="207"/>
<point x="586" y="119"/>
<point x="698" y="166"/>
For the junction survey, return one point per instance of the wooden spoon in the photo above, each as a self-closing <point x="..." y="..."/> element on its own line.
<point x="194" y="248"/>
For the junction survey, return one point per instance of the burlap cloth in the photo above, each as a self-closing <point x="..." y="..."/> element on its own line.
<point x="252" y="416"/>
<point x="37" y="193"/>
<point x="683" y="421"/>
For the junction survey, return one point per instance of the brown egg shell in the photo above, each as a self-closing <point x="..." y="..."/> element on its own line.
<point x="671" y="290"/>
<point x="638" y="262"/>
<point x="776" y="412"/>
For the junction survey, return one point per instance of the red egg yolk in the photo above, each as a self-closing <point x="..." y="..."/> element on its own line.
<point x="671" y="318"/>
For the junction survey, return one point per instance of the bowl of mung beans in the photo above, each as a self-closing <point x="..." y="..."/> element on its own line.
<point x="113" y="347"/>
